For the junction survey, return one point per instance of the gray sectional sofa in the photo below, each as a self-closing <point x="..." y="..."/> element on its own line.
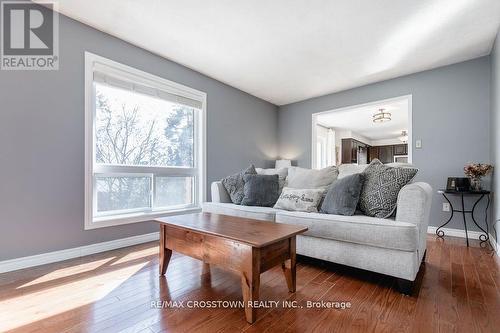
<point x="394" y="246"/>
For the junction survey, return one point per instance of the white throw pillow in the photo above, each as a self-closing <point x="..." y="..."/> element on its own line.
<point x="351" y="169"/>
<point x="401" y="165"/>
<point x="300" y="200"/>
<point x="310" y="178"/>
<point x="282" y="172"/>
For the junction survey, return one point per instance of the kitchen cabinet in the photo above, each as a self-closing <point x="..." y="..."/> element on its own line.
<point x="386" y="154"/>
<point x="372" y="153"/>
<point x="401" y="149"/>
<point x="354" y="151"/>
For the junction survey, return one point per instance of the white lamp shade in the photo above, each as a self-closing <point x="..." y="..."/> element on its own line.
<point x="283" y="164"/>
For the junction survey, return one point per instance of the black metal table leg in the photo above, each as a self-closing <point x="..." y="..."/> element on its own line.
<point x="439" y="232"/>
<point x="486" y="236"/>
<point x="465" y="220"/>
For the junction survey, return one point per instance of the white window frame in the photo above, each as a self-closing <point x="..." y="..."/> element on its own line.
<point x="91" y="169"/>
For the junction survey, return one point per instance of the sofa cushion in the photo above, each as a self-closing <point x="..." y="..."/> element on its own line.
<point x="282" y="172"/>
<point x="260" y="190"/>
<point x="381" y="188"/>
<point x="350" y="169"/>
<point x="304" y="200"/>
<point x="358" y="229"/>
<point x="343" y="196"/>
<point x="310" y="178"/>
<point x="234" y="184"/>
<point x="401" y="165"/>
<point x="251" y="212"/>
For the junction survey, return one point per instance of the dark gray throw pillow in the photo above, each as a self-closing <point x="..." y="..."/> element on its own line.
<point x="343" y="196"/>
<point x="234" y="184"/>
<point x="260" y="190"/>
<point x="380" y="191"/>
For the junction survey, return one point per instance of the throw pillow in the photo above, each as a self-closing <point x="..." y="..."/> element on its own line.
<point x="310" y="178"/>
<point x="234" y="184"/>
<point x="350" y="169"/>
<point x="343" y="196"/>
<point x="381" y="188"/>
<point x="282" y="173"/>
<point x="300" y="200"/>
<point x="400" y="165"/>
<point x="260" y="190"/>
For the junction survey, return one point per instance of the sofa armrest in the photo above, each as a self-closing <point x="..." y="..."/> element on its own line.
<point x="414" y="203"/>
<point x="414" y="206"/>
<point x="219" y="193"/>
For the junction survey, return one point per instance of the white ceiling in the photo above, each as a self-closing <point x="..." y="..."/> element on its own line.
<point x="289" y="50"/>
<point x="360" y="120"/>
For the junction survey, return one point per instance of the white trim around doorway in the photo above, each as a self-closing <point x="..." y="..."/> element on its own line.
<point x="408" y="98"/>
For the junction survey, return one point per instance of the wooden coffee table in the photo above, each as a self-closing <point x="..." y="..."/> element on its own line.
<point x="248" y="247"/>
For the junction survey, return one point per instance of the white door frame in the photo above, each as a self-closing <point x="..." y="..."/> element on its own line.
<point x="408" y="98"/>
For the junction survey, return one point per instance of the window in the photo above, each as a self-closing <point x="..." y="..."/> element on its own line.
<point x="144" y="145"/>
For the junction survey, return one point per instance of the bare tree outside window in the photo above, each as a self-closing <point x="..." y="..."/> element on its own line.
<point x="139" y="130"/>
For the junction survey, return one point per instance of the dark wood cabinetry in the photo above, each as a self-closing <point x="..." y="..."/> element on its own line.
<point x="386" y="154"/>
<point x="372" y="153"/>
<point x="401" y="149"/>
<point x="354" y="151"/>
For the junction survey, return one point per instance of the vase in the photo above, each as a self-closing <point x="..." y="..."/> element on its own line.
<point x="475" y="184"/>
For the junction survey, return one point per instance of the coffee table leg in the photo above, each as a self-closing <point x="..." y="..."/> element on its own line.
<point x="289" y="267"/>
<point x="250" y="284"/>
<point x="165" y="253"/>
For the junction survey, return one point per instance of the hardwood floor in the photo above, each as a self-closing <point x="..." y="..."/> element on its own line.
<point x="459" y="291"/>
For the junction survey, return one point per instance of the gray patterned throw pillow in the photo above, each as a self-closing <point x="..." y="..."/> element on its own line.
<point x="381" y="188"/>
<point x="234" y="184"/>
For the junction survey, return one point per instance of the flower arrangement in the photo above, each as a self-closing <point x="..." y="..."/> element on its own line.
<point x="475" y="171"/>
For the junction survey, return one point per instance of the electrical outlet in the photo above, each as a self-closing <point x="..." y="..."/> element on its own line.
<point x="418" y="143"/>
<point x="446" y="207"/>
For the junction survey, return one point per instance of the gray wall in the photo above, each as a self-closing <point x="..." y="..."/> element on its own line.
<point x="42" y="141"/>
<point x="42" y="131"/>
<point x="495" y="132"/>
<point x="451" y="111"/>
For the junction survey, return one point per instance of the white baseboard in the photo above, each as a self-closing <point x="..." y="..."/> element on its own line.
<point x="461" y="233"/>
<point x="495" y="245"/>
<point x="455" y="232"/>
<point x="50" y="257"/>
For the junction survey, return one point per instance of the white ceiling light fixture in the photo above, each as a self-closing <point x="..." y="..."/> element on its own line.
<point x="381" y="116"/>
<point x="404" y="137"/>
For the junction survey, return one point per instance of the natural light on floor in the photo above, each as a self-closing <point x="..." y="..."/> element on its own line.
<point x="66" y="272"/>
<point x="136" y="255"/>
<point x="46" y="303"/>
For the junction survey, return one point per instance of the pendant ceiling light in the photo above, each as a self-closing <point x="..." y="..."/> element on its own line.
<point x="381" y="116"/>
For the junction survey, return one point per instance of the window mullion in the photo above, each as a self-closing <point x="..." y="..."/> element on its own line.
<point x="165" y="171"/>
<point x="153" y="191"/>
